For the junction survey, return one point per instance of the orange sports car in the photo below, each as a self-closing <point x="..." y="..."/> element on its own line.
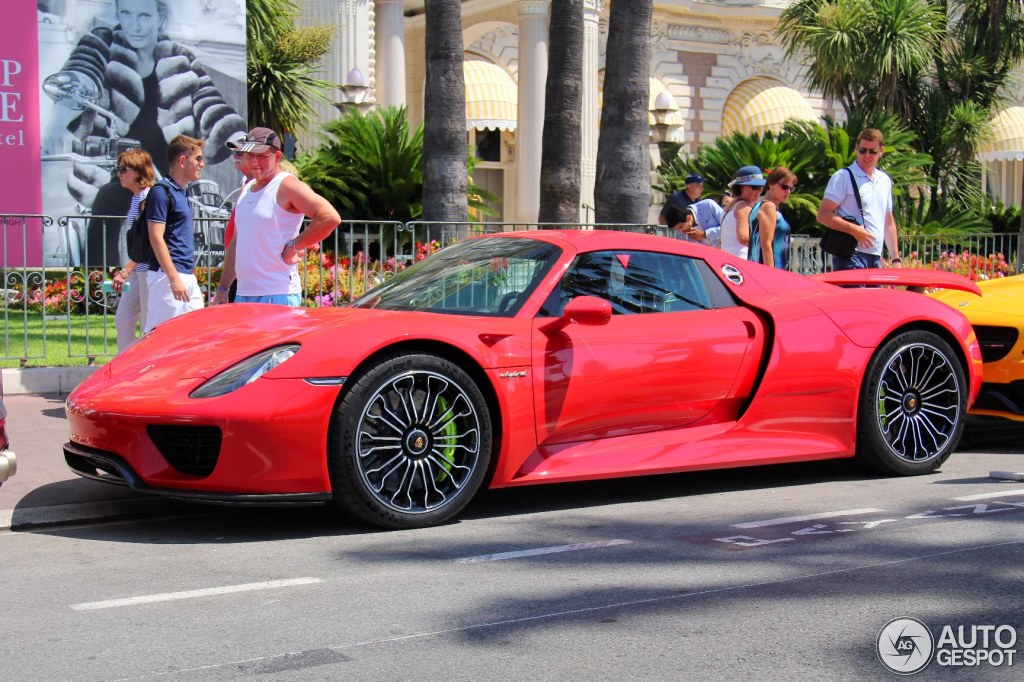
<point x="998" y="321"/>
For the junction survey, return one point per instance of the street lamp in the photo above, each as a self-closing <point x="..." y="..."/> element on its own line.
<point x="353" y="92"/>
<point x="661" y="113"/>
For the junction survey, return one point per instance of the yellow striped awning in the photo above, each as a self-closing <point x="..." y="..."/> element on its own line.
<point x="762" y="104"/>
<point x="491" y="97"/>
<point x="1007" y="140"/>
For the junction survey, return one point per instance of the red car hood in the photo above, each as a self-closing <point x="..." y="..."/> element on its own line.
<point x="205" y="342"/>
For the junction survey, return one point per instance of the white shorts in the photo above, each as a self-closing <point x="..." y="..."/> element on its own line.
<point x="161" y="304"/>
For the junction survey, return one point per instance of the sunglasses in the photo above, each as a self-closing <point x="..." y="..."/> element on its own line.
<point x="865" y="150"/>
<point x="238" y="155"/>
<point x="122" y="169"/>
<point x="788" y="188"/>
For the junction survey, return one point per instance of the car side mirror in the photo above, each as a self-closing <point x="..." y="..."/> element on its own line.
<point x="589" y="310"/>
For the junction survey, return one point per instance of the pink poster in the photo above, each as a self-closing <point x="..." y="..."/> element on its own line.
<point x="20" y="172"/>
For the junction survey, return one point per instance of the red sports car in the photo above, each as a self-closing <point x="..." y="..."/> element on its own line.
<point x="530" y="357"/>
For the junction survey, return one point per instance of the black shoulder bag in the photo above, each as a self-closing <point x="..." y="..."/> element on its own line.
<point x="843" y="244"/>
<point x="140" y="249"/>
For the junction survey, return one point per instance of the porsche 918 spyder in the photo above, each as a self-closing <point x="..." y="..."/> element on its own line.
<point x="525" y="358"/>
<point x="998" y="321"/>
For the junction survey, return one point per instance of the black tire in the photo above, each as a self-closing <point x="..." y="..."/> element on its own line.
<point x="913" y="405"/>
<point x="411" y="442"/>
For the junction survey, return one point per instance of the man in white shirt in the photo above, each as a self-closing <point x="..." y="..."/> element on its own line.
<point x="267" y="245"/>
<point x="875" y="188"/>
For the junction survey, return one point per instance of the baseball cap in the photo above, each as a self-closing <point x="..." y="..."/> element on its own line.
<point x="260" y="141"/>
<point x="694" y="177"/>
<point x="235" y="141"/>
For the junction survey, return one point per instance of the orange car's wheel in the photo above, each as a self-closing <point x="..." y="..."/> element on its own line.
<point x="411" y="442"/>
<point x="913" y="405"/>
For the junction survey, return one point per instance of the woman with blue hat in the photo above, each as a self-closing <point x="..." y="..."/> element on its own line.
<point x="746" y="188"/>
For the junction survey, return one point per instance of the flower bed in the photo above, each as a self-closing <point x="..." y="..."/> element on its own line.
<point x="971" y="265"/>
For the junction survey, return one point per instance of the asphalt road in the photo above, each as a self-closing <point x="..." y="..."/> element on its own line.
<point x="770" y="573"/>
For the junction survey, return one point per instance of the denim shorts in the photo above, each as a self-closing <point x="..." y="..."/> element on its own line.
<point x="858" y="261"/>
<point x="293" y="300"/>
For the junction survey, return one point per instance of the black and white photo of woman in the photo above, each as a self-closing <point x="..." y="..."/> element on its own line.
<point x="124" y="86"/>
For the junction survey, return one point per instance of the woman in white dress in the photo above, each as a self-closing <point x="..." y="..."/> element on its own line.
<point x="746" y="188"/>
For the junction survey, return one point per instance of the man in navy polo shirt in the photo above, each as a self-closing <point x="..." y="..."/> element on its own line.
<point x="683" y="199"/>
<point x="173" y="289"/>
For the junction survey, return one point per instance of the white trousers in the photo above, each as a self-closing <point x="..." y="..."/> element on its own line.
<point x="162" y="305"/>
<point x="131" y="310"/>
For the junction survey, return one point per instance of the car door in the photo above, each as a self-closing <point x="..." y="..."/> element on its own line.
<point x="671" y="353"/>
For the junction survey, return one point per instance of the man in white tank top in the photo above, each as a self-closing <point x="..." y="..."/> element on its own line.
<point x="267" y="246"/>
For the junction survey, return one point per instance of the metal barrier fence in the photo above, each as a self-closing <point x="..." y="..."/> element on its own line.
<point x="62" y="304"/>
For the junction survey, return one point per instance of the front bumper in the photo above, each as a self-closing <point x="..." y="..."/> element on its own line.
<point x="107" y="467"/>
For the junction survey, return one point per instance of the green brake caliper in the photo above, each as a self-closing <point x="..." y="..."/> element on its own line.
<point x="450" y="431"/>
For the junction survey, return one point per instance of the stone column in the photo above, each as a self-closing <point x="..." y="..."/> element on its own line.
<point x="356" y="36"/>
<point x="533" y="73"/>
<point x="390" y="47"/>
<point x="588" y="118"/>
<point x="352" y="49"/>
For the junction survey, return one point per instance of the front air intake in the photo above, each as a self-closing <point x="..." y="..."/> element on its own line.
<point x="995" y="342"/>
<point x="191" y="450"/>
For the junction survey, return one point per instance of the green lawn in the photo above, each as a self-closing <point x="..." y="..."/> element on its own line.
<point x="68" y="341"/>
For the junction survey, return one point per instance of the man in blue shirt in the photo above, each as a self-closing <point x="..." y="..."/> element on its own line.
<point x="173" y="289"/>
<point x="683" y="199"/>
<point x="701" y="222"/>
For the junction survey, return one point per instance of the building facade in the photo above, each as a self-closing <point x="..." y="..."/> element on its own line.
<point x="716" y="68"/>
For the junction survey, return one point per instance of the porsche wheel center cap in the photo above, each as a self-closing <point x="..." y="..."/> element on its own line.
<point x="911" y="403"/>
<point x="417" y="442"/>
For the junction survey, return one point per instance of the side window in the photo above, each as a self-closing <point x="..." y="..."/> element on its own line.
<point x="640" y="282"/>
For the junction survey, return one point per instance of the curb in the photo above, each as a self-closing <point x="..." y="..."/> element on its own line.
<point x="26" y="518"/>
<point x="39" y="380"/>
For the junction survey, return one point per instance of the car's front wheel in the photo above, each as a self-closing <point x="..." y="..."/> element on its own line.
<point x="913" y="404"/>
<point x="411" y="442"/>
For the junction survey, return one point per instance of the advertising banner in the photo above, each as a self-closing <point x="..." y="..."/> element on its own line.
<point x="19" y="137"/>
<point x="106" y="76"/>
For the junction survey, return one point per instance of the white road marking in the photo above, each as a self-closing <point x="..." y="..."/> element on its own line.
<point x="192" y="594"/>
<point x="1007" y="475"/>
<point x="552" y="615"/>
<point x="985" y="496"/>
<point x="808" y="517"/>
<point x="542" y="550"/>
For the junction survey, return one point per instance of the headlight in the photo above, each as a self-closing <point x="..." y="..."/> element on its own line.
<point x="245" y="372"/>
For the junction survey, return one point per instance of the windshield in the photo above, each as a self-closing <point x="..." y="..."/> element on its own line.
<point x="487" y="276"/>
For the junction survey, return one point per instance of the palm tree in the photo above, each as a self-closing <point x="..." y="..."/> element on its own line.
<point x="562" y="143"/>
<point x="622" y="188"/>
<point x="370" y="167"/>
<point x="813" y="152"/>
<point x="940" y="65"/>
<point x="863" y="51"/>
<point x="444" y="115"/>
<point x="281" y="59"/>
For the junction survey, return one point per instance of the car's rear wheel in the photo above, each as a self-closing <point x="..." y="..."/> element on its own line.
<point x="411" y="442"/>
<point x="913" y="404"/>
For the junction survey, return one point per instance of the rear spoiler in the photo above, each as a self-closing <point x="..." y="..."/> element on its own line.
<point x="900" y="277"/>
